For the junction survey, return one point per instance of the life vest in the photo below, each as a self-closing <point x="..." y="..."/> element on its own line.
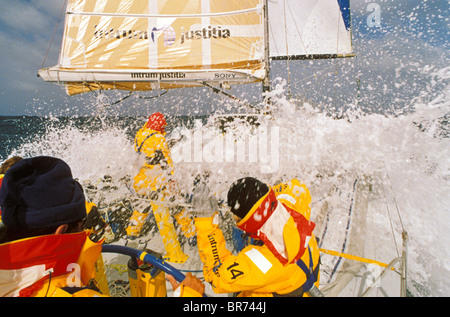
<point x="289" y="245"/>
<point x="49" y="265"/>
<point x="265" y="220"/>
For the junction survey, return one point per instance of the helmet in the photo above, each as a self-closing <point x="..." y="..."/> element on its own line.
<point x="156" y="122"/>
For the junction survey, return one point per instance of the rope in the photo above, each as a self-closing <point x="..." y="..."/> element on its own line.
<point x="390" y="221"/>
<point x="329" y="69"/>
<point x="353" y="257"/>
<point x="298" y="31"/>
<point x="347" y="229"/>
<point x="120" y="268"/>
<point x="338" y="29"/>
<point x="153" y="97"/>
<point x="395" y="202"/>
<point x="54" y="31"/>
<point x="287" y="50"/>
<point x="398" y="211"/>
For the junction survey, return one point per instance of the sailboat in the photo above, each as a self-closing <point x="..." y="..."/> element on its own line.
<point x="148" y="45"/>
<point x="143" y="45"/>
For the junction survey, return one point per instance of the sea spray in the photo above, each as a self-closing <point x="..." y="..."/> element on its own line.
<point x="402" y="159"/>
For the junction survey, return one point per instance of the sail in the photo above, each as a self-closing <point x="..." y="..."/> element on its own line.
<point x="164" y="44"/>
<point x="159" y="44"/>
<point x="309" y="29"/>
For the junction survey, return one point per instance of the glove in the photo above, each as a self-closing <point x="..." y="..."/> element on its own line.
<point x="203" y="204"/>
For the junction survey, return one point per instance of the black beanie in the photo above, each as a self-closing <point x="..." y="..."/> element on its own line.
<point x="244" y="194"/>
<point x="40" y="193"/>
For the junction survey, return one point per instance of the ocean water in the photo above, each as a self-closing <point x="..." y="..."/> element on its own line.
<point x="392" y="171"/>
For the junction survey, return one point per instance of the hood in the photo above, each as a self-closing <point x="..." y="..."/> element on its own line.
<point x="156" y="122"/>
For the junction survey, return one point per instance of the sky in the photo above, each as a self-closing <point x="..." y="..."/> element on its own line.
<point x="397" y="42"/>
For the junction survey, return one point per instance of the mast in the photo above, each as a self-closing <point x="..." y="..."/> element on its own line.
<point x="266" y="82"/>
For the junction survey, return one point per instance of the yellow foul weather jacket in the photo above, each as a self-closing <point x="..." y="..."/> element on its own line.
<point x="158" y="164"/>
<point x="287" y="264"/>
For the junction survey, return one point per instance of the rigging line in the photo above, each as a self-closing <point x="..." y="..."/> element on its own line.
<point x="220" y="91"/>
<point x="358" y="83"/>
<point x="319" y="72"/>
<point x="266" y="82"/>
<point x="99" y="93"/>
<point x="298" y="32"/>
<point x="53" y="35"/>
<point x="152" y="97"/>
<point x="395" y="201"/>
<point x="315" y="77"/>
<point x="287" y="50"/>
<point x="390" y="221"/>
<point x="338" y="28"/>
<point x="353" y="257"/>
<point x="324" y="232"/>
<point x="326" y="228"/>
<point x="121" y="99"/>
<point x="347" y="229"/>
<point x="303" y="45"/>
<point x="339" y="13"/>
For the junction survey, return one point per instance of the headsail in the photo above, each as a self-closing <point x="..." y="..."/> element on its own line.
<point x="159" y="44"/>
<point x="163" y="44"/>
<point x="309" y="29"/>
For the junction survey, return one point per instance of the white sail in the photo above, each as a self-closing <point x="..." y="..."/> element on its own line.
<point x="309" y="29"/>
<point x="163" y="44"/>
<point x="152" y="44"/>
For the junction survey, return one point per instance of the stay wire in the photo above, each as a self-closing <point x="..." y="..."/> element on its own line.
<point x="287" y="50"/>
<point x="395" y="202"/>
<point x="54" y="31"/>
<point x="390" y="221"/>
<point x="397" y="208"/>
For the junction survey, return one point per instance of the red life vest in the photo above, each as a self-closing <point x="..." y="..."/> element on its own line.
<point x="26" y="264"/>
<point x="268" y="209"/>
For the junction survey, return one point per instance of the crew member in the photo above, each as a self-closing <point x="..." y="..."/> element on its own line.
<point x="45" y="251"/>
<point x="285" y="258"/>
<point x="154" y="182"/>
<point x="3" y="168"/>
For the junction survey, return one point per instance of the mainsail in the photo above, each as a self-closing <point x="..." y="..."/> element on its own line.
<point x="163" y="44"/>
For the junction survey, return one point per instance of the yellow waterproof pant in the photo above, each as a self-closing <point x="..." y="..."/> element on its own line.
<point x="174" y="253"/>
<point x="149" y="180"/>
<point x="186" y="223"/>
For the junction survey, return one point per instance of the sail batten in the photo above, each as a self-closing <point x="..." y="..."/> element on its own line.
<point x="196" y="15"/>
